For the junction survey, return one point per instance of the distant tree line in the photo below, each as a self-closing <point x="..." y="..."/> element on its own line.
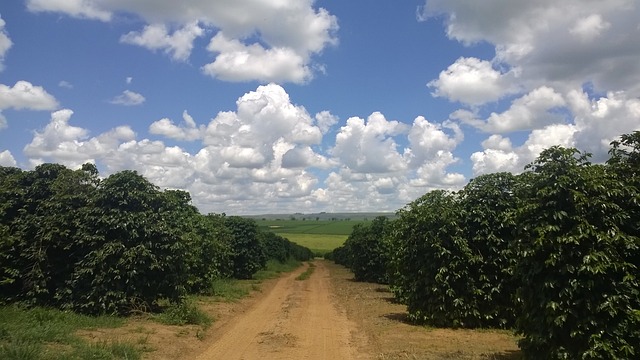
<point x="71" y="240"/>
<point x="553" y="253"/>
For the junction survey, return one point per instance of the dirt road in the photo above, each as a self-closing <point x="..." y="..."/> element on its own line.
<point x="296" y="319"/>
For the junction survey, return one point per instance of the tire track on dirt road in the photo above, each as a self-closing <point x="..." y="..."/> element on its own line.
<point x="295" y="320"/>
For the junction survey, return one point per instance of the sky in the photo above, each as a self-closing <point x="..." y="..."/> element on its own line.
<point x="302" y="106"/>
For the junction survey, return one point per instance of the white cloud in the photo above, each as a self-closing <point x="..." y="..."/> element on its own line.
<point x="325" y="121"/>
<point x="590" y="27"/>
<point x="473" y="81"/>
<point x="239" y="62"/>
<point x="189" y="131"/>
<point x="263" y="116"/>
<point x="7" y="159"/>
<point x="156" y="37"/>
<point x="58" y="140"/>
<point x="128" y="80"/>
<point x="369" y="146"/>
<point x="5" y="43"/>
<point x="65" y="84"/>
<point x="376" y="172"/>
<point x="535" y="110"/>
<point x="3" y="122"/>
<point x="495" y="160"/>
<point x="595" y="124"/>
<point x="431" y="153"/>
<point x="128" y="98"/>
<point x="77" y="8"/>
<point x="427" y="139"/>
<point x="532" y="111"/>
<point x="24" y="95"/>
<point x="116" y="149"/>
<point x="600" y="121"/>
<point x="499" y="155"/>
<point x="563" y="44"/>
<point x="263" y="157"/>
<point x="250" y="33"/>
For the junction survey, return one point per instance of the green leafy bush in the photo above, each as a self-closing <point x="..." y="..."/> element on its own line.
<point x="430" y="263"/>
<point x="133" y="255"/>
<point x="247" y="251"/>
<point x="369" y="251"/>
<point x="487" y="220"/>
<point x="577" y="267"/>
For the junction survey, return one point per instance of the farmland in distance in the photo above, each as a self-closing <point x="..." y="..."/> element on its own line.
<point x="319" y="232"/>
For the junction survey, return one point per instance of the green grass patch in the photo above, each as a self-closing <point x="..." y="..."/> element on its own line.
<point x="44" y="334"/>
<point x="307" y="273"/>
<point x="275" y="268"/>
<point x="229" y="289"/>
<point x="321" y="227"/>
<point x="234" y="290"/>
<point x="184" y="313"/>
<point x="103" y="350"/>
<point x="318" y="243"/>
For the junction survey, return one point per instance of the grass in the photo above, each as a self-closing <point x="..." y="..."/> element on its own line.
<point x="229" y="289"/>
<point x="318" y="243"/>
<point x="307" y="273"/>
<point x="234" y="290"/>
<point x="184" y="313"/>
<point x="49" y="334"/>
<point x="321" y="227"/>
<point x="275" y="268"/>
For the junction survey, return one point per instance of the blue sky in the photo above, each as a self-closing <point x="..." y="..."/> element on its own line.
<point x="301" y="106"/>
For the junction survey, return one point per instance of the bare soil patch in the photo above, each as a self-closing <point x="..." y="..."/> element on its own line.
<point x="294" y="320"/>
<point x="373" y="309"/>
<point x="327" y="316"/>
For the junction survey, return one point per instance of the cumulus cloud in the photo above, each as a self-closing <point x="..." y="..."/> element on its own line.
<point x="500" y="155"/>
<point x="596" y="123"/>
<point x="263" y="156"/>
<point x="369" y="146"/>
<point x="7" y="159"/>
<point x="325" y="121"/>
<point x="77" y="8"/>
<point x="5" y="43"/>
<point x="239" y="62"/>
<point x="128" y="98"/>
<point x="565" y="43"/>
<point x="116" y="149"/>
<point x="156" y="37"/>
<point x="189" y="131"/>
<point x="532" y="111"/>
<point x="264" y="119"/>
<point x="473" y="81"/>
<point x="24" y="95"/>
<point x="600" y="121"/>
<point x="281" y="36"/>
<point x="384" y="164"/>
<point x="58" y="140"/>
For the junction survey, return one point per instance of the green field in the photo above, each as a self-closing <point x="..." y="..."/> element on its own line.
<point x="326" y="227"/>
<point x="320" y="236"/>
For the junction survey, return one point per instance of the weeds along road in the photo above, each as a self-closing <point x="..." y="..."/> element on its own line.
<point x="296" y="319"/>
